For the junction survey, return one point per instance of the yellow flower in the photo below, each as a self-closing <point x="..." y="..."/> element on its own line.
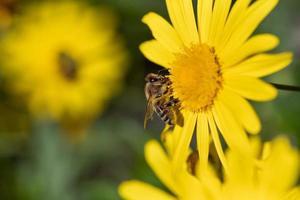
<point x="214" y="66"/>
<point x="271" y="177"/>
<point x="66" y="58"/>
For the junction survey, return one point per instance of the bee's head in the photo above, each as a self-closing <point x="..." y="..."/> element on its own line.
<point x="152" y="78"/>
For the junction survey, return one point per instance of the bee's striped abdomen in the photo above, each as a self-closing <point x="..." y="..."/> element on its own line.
<point x="165" y="114"/>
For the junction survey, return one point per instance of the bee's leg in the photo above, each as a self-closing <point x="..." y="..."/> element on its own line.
<point x="173" y="108"/>
<point x="172" y="102"/>
<point x="158" y="96"/>
<point x="168" y="82"/>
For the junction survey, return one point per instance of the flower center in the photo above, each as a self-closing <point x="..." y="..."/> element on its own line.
<point x="68" y="66"/>
<point x="196" y="77"/>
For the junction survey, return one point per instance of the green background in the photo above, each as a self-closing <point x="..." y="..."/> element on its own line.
<point x="38" y="162"/>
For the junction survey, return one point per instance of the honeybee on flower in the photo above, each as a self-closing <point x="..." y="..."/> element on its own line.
<point x="215" y="65"/>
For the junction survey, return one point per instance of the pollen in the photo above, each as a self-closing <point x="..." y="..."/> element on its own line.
<point x="196" y="77"/>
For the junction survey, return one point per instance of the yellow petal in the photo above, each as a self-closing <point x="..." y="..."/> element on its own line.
<point x="284" y="161"/>
<point x="159" y="163"/>
<point x="242" y="110"/>
<point x="182" y="16"/>
<point x="235" y="18"/>
<point x="293" y="194"/>
<point x="262" y="65"/>
<point x="257" y="44"/>
<point x="137" y="190"/>
<point x="232" y="131"/>
<point x="167" y="138"/>
<point x="240" y="169"/>
<point x="163" y="32"/>
<point x="217" y="141"/>
<point x="204" y="18"/>
<point x="250" y="87"/>
<point x="202" y="142"/>
<point x="190" y="187"/>
<point x="157" y="53"/>
<point x="183" y="144"/>
<point x="176" y="134"/>
<point x="254" y="16"/>
<point x="219" y="16"/>
<point x="213" y="185"/>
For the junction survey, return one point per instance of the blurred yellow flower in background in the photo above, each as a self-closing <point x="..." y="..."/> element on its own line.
<point x="272" y="176"/>
<point x="65" y="58"/>
<point x="215" y="65"/>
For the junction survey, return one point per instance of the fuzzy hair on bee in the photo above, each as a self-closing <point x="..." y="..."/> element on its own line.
<point x="160" y="100"/>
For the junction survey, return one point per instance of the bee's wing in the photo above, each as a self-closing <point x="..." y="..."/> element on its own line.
<point x="149" y="112"/>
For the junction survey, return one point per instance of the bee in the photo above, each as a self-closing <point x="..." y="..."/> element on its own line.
<point x="160" y="100"/>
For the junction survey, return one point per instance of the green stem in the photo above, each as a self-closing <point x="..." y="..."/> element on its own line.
<point x="286" y="87"/>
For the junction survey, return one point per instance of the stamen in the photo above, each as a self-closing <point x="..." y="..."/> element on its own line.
<point x="196" y="77"/>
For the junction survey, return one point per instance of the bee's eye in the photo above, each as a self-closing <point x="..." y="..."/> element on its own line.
<point x="153" y="80"/>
